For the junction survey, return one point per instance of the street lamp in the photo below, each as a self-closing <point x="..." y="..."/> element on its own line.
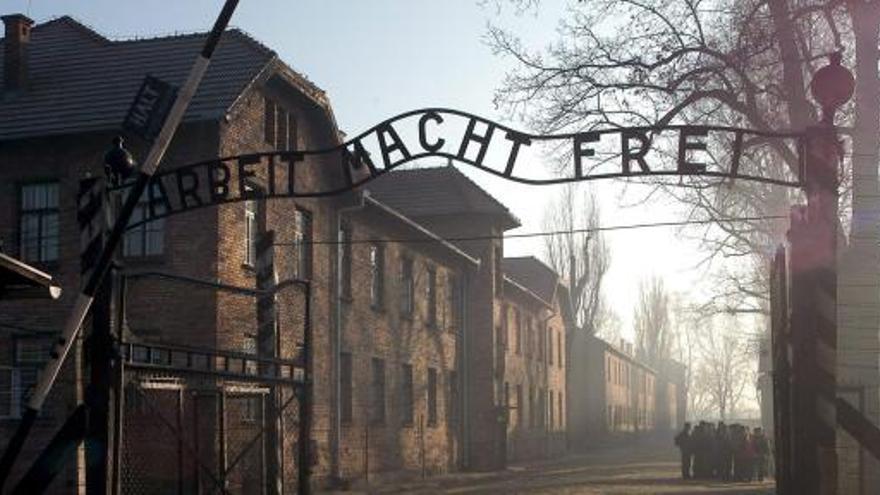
<point x="118" y="162"/>
<point x="831" y="87"/>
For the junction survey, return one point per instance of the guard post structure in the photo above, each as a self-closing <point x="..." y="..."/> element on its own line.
<point x="813" y="239"/>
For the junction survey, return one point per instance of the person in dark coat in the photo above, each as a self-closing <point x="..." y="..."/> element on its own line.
<point x="724" y="453"/>
<point x="762" y="450"/>
<point x="684" y="442"/>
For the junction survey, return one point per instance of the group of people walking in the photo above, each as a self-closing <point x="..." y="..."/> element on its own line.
<point x="722" y="452"/>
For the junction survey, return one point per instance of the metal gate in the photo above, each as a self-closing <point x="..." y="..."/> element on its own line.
<point x="197" y="423"/>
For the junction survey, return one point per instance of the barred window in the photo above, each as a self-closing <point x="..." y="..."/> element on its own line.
<point x="17" y="381"/>
<point x="38" y="222"/>
<point x="406" y="394"/>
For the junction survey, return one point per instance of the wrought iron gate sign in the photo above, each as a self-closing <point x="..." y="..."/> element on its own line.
<point x="482" y="143"/>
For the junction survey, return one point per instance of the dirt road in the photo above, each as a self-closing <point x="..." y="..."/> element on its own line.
<point x="642" y="469"/>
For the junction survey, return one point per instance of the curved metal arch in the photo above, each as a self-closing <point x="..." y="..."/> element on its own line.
<point x="357" y="166"/>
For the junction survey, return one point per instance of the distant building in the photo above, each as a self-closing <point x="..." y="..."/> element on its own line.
<point x="613" y="394"/>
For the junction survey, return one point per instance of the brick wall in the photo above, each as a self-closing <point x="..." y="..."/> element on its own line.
<point x="67" y="159"/>
<point x="532" y="345"/>
<point x="401" y="442"/>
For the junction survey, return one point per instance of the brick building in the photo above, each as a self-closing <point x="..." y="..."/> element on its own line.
<point x="505" y="353"/>
<point x="57" y="116"/>
<point x="532" y="333"/>
<point x="408" y="372"/>
<point x="613" y="394"/>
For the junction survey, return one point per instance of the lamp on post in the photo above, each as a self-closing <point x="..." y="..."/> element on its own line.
<point x="813" y="296"/>
<point x="831" y="87"/>
<point x="118" y="162"/>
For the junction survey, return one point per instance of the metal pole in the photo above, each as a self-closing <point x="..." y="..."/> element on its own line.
<point x="221" y="412"/>
<point x="305" y="402"/>
<point x="367" y="452"/>
<point x="100" y="346"/>
<point x="180" y="446"/>
<point x="119" y="390"/>
<point x="86" y="297"/>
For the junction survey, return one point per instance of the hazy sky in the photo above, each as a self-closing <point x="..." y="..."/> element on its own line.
<point x="378" y="58"/>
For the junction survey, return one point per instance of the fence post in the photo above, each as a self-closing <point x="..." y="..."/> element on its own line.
<point x="221" y="409"/>
<point x="367" y="452"/>
<point x="422" y="443"/>
<point x="180" y="447"/>
<point x="100" y="352"/>
<point x="267" y="336"/>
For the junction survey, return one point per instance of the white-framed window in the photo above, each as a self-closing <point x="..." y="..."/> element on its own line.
<point x="303" y="243"/>
<point x="17" y="381"/>
<point x="146" y="239"/>
<point x="431" y="295"/>
<point x="38" y="222"/>
<point x="407" y="286"/>
<point x="377" y="275"/>
<point x="250" y="232"/>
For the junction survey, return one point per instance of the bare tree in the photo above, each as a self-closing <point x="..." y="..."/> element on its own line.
<point x="724" y="369"/>
<point x="735" y="62"/>
<point x="580" y="256"/>
<point x="652" y="322"/>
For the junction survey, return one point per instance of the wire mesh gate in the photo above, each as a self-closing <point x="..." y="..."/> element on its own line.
<point x="193" y="422"/>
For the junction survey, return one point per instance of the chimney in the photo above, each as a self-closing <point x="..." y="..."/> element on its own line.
<point x="15" y="47"/>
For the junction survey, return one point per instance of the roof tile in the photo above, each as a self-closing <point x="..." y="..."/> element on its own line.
<point x="434" y="191"/>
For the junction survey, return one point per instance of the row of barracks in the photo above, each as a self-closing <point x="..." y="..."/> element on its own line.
<point x="446" y="354"/>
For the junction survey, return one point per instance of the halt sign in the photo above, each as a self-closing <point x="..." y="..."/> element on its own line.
<point x="149" y="108"/>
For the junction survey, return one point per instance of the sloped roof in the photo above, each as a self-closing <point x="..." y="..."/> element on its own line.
<point x="532" y="274"/>
<point x="434" y="191"/>
<point x="80" y="81"/>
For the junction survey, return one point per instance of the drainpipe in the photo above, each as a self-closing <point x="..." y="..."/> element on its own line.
<point x="336" y="344"/>
<point x="464" y="380"/>
<point x="545" y="361"/>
